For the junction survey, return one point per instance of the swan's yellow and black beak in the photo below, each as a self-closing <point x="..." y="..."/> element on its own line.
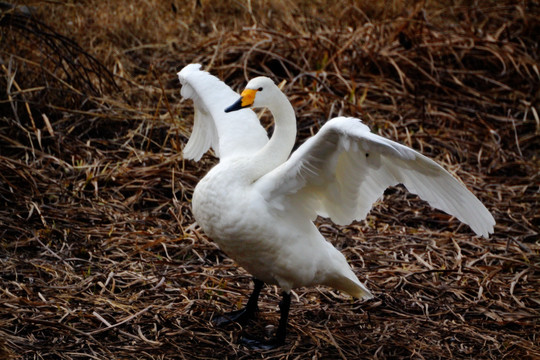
<point x="246" y="100"/>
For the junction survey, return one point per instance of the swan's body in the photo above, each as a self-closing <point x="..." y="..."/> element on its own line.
<point x="258" y="204"/>
<point x="273" y="245"/>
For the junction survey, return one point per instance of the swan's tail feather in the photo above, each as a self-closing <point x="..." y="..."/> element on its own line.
<point x="352" y="287"/>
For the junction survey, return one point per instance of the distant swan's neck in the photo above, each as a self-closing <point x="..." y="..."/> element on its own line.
<point x="278" y="149"/>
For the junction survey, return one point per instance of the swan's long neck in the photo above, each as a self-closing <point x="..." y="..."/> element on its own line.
<point x="278" y="149"/>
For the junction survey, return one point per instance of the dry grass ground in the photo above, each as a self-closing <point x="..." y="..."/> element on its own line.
<point x="100" y="256"/>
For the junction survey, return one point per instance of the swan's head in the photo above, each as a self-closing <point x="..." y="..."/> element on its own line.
<point x="258" y="93"/>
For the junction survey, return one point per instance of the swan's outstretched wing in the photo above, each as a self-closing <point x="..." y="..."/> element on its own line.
<point x="229" y="134"/>
<point x="342" y="170"/>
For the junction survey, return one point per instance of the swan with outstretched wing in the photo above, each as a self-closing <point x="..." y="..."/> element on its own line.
<point x="259" y="202"/>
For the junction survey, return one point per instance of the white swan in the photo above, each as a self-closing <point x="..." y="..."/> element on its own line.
<point x="258" y="204"/>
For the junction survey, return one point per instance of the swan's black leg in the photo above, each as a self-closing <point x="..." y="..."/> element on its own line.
<point x="284" y="306"/>
<point x="281" y="333"/>
<point x="242" y="316"/>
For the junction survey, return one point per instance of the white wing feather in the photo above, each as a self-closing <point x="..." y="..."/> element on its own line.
<point x="232" y="134"/>
<point x="342" y="170"/>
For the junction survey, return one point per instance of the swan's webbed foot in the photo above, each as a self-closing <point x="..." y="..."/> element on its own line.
<point x="281" y="333"/>
<point x="260" y="344"/>
<point x="242" y="316"/>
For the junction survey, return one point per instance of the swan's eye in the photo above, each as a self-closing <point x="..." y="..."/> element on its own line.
<point x="259" y="89"/>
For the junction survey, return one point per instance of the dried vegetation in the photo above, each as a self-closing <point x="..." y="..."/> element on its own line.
<point x="100" y="257"/>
